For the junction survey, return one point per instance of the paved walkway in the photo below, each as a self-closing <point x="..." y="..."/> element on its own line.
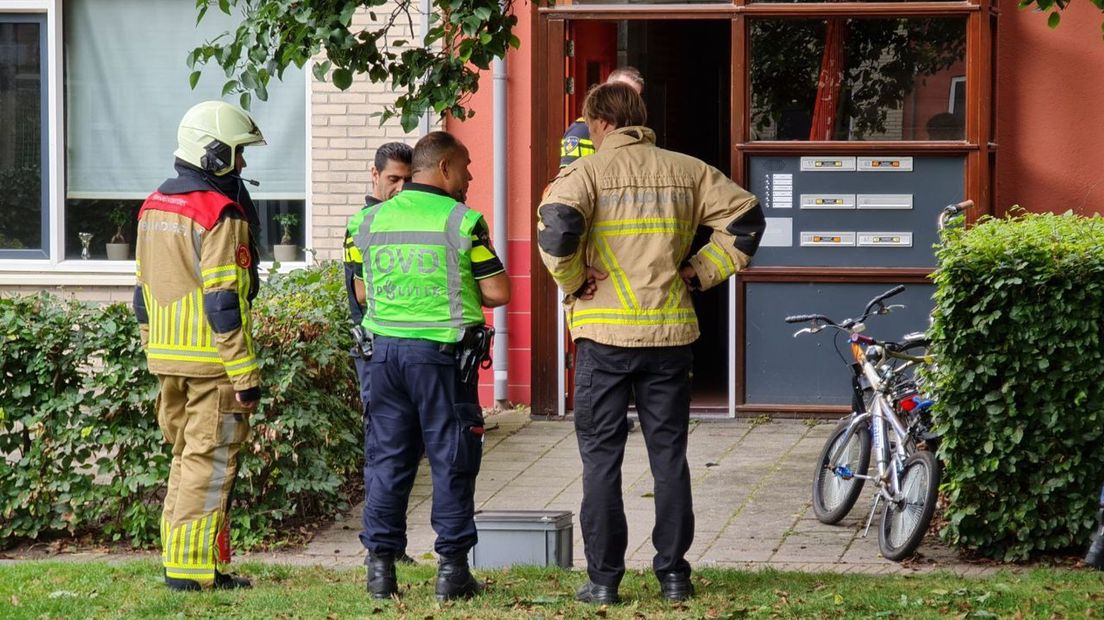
<point x="751" y="498"/>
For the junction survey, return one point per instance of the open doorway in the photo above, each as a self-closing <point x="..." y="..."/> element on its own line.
<point x="688" y="94"/>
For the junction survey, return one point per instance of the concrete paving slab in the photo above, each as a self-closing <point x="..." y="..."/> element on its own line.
<point x="751" y="499"/>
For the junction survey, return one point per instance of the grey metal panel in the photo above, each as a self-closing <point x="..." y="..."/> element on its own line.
<point x="933" y="183"/>
<point x="784" y="370"/>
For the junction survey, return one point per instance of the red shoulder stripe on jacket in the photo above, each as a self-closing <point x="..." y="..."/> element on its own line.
<point x="203" y="207"/>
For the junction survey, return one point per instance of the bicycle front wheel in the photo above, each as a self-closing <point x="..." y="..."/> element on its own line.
<point x="905" y="522"/>
<point x="836" y="491"/>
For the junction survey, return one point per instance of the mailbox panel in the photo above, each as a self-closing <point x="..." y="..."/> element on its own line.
<point x="860" y="197"/>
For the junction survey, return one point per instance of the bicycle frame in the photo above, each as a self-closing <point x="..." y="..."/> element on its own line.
<point x="880" y="418"/>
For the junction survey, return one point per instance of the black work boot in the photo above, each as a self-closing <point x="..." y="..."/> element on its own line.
<point x="675" y="586"/>
<point x="591" y="592"/>
<point x="230" y="582"/>
<point x="382" y="582"/>
<point x="406" y="559"/>
<point x="454" y="579"/>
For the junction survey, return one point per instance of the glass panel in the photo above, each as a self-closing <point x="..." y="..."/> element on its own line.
<point x="858" y="79"/>
<point x="119" y="145"/>
<point x="120" y="140"/>
<point x="22" y="135"/>
<point x="99" y="217"/>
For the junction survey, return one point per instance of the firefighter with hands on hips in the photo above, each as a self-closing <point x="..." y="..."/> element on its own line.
<point x="615" y="229"/>
<point x="429" y="269"/>
<point x="390" y="170"/>
<point x="196" y="260"/>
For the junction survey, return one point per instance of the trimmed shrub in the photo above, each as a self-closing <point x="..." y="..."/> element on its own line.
<point x="80" y="438"/>
<point x="1020" y="382"/>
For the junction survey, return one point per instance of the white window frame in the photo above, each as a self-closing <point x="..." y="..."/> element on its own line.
<point x="58" y="270"/>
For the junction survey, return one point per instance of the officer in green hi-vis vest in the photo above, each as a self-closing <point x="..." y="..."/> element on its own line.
<point x="429" y="269"/>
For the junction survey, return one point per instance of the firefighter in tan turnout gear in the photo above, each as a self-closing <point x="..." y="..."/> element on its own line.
<point x="197" y="276"/>
<point x="615" y="231"/>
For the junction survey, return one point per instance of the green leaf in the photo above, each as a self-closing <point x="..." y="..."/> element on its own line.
<point x="245" y="100"/>
<point x="229" y="87"/>
<point x="1053" y="20"/>
<point x="224" y="6"/>
<point x="193" y="79"/>
<point x="342" y="78"/>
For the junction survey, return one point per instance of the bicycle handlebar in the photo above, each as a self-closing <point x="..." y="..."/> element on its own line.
<point x="802" y="318"/>
<point x="950" y="211"/>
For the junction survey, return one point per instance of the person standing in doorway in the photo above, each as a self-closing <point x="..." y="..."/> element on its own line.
<point x="615" y="230"/>
<point x="429" y="269"/>
<point x="390" y="170"/>
<point x="196" y="259"/>
<point x="576" y="141"/>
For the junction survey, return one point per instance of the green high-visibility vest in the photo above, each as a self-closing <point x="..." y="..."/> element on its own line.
<point x="418" y="277"/>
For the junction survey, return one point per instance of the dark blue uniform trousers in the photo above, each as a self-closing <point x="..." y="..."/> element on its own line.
<point x="418" y="400"/>
<point x="658" y="378"/>
<point x="362" y="368"/>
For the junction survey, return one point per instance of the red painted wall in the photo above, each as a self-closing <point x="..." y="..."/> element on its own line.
<point x="477" y="134"/>
<point x="1050" y="132"/>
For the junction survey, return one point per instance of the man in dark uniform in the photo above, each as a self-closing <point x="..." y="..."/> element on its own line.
<point x="390" y="170"/>
<point x="576" y="141"/>
<point x="430" y="269"/>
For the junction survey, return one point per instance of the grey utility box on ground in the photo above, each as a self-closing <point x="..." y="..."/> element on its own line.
<point x="523" y="537"/>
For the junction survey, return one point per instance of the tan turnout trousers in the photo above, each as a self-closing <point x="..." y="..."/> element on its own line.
<point x="206" y="426"/>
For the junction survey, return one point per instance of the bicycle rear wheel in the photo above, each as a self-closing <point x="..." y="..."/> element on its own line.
<point x="904" y="523"/>
<point x="835" y="492"/>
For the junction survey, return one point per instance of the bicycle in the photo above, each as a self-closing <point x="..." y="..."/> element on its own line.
<point x="885" y="400"/>
<point x="884" y="393"/>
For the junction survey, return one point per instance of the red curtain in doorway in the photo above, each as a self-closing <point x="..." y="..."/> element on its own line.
<point x="829" y="81"/>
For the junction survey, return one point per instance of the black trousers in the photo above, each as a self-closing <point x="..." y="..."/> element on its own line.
<point x="659" y="379"/>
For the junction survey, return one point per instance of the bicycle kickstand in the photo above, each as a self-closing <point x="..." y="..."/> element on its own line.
<point x="870" y="519"/>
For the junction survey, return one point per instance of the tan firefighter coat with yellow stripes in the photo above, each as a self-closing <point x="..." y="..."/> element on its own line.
<point x="194" y="279"/>
<point x="631" y="211"/>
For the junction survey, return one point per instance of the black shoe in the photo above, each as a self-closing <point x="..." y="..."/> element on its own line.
<point x="231" y="582"/>
<point x="454" y="580"/>
<point x="406" y="559"/>
<point x="382" y="582"/>
<point x="675" y="586"/>
<point x="594" y="593"/>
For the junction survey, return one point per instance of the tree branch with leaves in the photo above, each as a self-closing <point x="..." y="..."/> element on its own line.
<point x="438" y="74"/>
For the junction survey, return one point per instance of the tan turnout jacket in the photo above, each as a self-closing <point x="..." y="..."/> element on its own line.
<point x="631" y="211"/>
<point x="194" y="277"/>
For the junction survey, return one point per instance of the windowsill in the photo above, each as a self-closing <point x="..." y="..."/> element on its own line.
<point x="88" y="272"/>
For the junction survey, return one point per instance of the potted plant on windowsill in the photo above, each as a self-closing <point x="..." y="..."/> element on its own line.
<point x="118" y="248"/>
<point x="286" y="250"/>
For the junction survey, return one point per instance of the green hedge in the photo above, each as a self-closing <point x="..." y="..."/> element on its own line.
<point x="82" y="446"/>
<point x="1020" y="382"/>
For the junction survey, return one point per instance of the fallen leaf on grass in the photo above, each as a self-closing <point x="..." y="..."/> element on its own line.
<point x="838" y="599"/>
<point x="15" y="601"/>
<point x="63" y="594"/>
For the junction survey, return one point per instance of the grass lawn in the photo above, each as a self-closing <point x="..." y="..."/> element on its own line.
<point x="134" y="590"/>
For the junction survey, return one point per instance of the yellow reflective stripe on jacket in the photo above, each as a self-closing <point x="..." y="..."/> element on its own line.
<point x="615" y="316"/>
<point x="222" y="273"/>
<point x="620" y="282"/>
<point x="241" y="366"/>
<point x="644" y="226"/>
<point x="725" y="266"/>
